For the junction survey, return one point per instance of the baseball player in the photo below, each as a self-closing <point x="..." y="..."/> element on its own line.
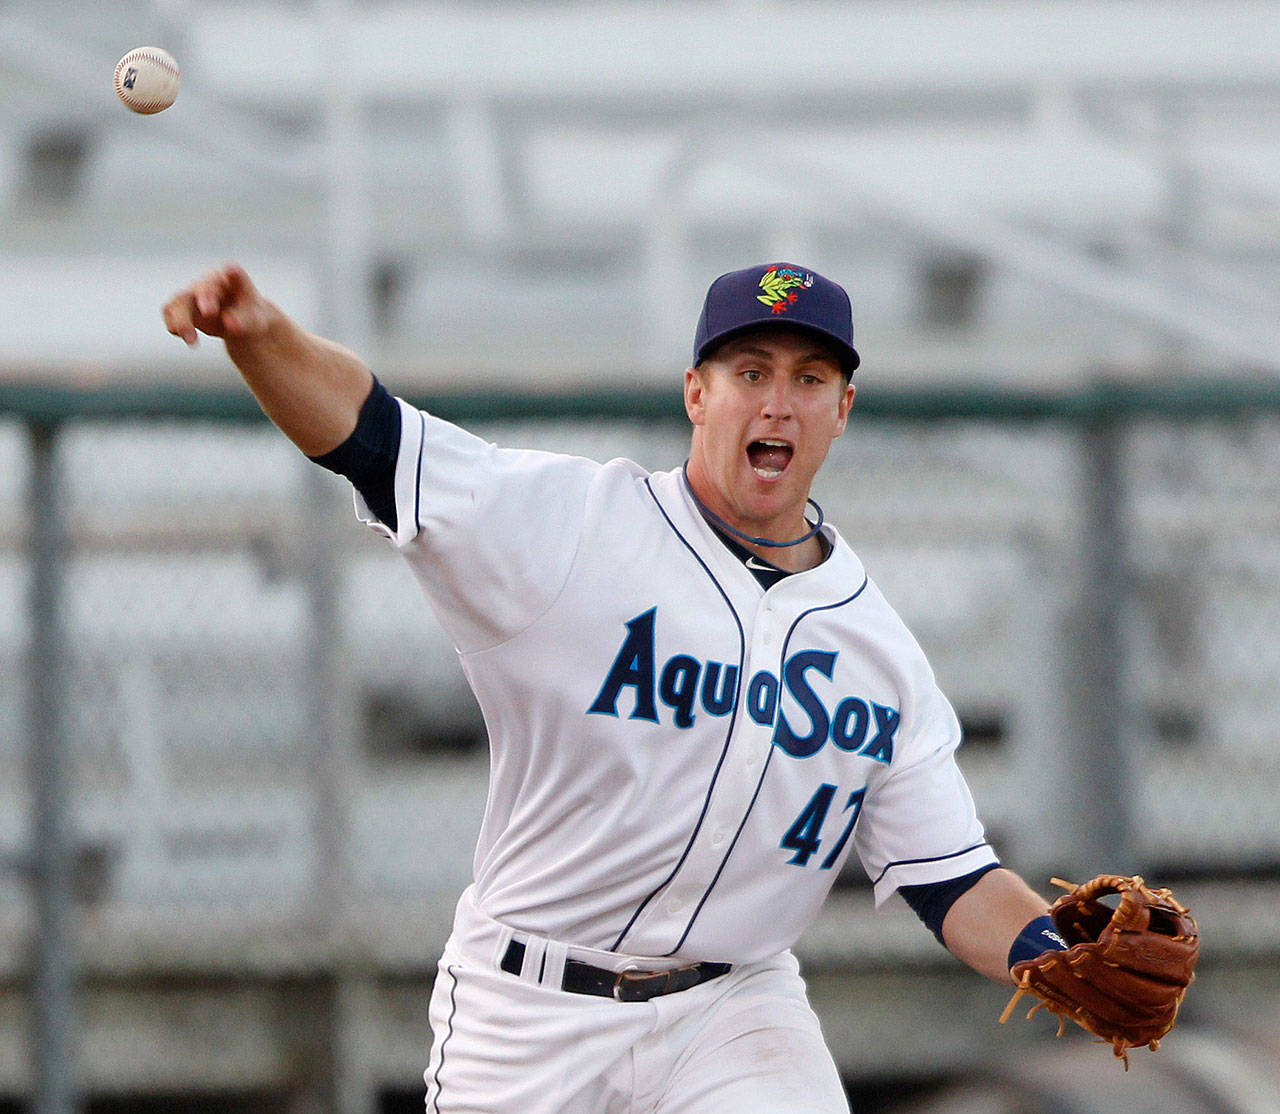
<point x="698" y="706"/>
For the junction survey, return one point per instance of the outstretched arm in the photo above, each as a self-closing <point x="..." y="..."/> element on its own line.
<point x="982" y="925"/>
<point x="311" y="388"/>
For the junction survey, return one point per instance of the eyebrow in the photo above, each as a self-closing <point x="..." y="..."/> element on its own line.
<point x="816" y="355"/>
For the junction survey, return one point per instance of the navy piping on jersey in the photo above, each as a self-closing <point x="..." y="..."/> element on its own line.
<point x="724" y="862"/>
<point x="932" y="859"/>
<point x="733" y="719"/>
<point x="417" y="482"/>
<point x="453" y="1009"/>
<point x="697" y="909"/>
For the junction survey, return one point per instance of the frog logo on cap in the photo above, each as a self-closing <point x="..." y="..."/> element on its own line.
<point x="780" y="287"/>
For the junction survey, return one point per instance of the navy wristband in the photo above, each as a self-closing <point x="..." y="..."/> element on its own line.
<point x="1038" y="937"/>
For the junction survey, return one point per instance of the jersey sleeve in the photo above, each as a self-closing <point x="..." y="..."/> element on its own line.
<point x="932" y="901"/>
<point x="368" y="457"/>
<point x="489" y="532"/>
<point x="918" y="823"/>
<point x="401" y="525"/>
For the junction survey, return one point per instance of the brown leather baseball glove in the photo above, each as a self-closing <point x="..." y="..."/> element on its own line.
<point x="1125" y="970"/>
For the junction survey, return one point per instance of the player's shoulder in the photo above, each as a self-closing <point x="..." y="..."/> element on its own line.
<point x="892" y="630"/>
<point x="851" y="569"/>
<point x="621" y="478"/>
<point x="621" y="489"/>
<point x="624" y="470"/>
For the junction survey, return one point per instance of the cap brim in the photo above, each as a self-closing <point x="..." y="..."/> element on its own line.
<point x="849" y="358"/>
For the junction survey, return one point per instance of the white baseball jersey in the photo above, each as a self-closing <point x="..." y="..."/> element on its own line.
<point x="681" y="761"/>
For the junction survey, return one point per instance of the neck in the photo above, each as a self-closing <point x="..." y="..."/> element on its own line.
<point x="796" y="558"/>
<point x="801" y="551"/>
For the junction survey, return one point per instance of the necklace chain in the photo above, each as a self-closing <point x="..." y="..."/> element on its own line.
<point x="716" y="520"/>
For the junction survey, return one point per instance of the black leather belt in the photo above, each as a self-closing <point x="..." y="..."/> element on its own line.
<point x="625" y="986"/>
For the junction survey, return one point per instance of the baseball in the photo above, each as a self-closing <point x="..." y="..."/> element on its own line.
<point x="147" y="79"/>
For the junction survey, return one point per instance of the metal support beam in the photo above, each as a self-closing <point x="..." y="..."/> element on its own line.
<point x="344" y="269"/>
<point x="53" y="984"/>
<point x="1103" y="837"/>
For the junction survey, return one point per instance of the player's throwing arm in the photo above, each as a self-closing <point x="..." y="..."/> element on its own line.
<point x="311" y="388"/>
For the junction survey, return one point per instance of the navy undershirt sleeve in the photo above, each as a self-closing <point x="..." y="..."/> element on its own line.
<point x="933" y="901"/>
<point x="368" y="457"/>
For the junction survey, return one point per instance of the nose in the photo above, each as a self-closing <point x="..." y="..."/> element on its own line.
<point x="777" y="402"/>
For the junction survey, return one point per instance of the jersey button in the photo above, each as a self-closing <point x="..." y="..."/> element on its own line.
<point x="675" y="905"/>
<point x="719" y="836"/>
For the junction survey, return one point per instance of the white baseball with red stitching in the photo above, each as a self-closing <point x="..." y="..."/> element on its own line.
<point x="147" y="79"/>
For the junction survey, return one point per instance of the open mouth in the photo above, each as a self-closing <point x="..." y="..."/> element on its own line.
<point x="769" y="458"/>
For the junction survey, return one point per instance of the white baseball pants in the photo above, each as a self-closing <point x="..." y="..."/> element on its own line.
<point x="744" y="1043"/>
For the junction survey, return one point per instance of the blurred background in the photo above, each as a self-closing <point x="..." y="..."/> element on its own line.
<point x="240" y="773"/>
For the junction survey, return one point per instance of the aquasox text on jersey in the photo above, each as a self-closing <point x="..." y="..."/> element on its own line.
<point x="687" y="687"/>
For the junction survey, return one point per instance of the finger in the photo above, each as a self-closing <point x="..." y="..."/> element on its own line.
<point x="242" y="309"/>
<point x="211" y="293"/>
<point x="234" y="284"/>
<point x="178" y="319"/>
<point x="236" y="277"/>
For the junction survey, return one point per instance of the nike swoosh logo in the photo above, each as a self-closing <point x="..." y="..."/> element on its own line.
<point x="756" y="563"/>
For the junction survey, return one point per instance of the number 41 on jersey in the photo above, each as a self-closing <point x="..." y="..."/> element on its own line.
<point x="804" y="837"/>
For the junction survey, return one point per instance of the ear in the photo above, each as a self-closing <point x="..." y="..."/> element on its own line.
<point x="846" y="402"/>
<point x="695" y="389"/>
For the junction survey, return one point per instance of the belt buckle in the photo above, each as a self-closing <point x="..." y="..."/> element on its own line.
<point x="635" y="985"/>
<point x="628" y="981"/>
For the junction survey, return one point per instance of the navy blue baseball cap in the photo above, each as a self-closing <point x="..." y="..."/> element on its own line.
<point x="776" y="294"/>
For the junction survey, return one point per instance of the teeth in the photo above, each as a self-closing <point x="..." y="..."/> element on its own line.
<point x="766" y="464"/>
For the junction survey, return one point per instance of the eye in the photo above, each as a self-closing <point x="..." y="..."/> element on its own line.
<point x="752" y="375"/>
